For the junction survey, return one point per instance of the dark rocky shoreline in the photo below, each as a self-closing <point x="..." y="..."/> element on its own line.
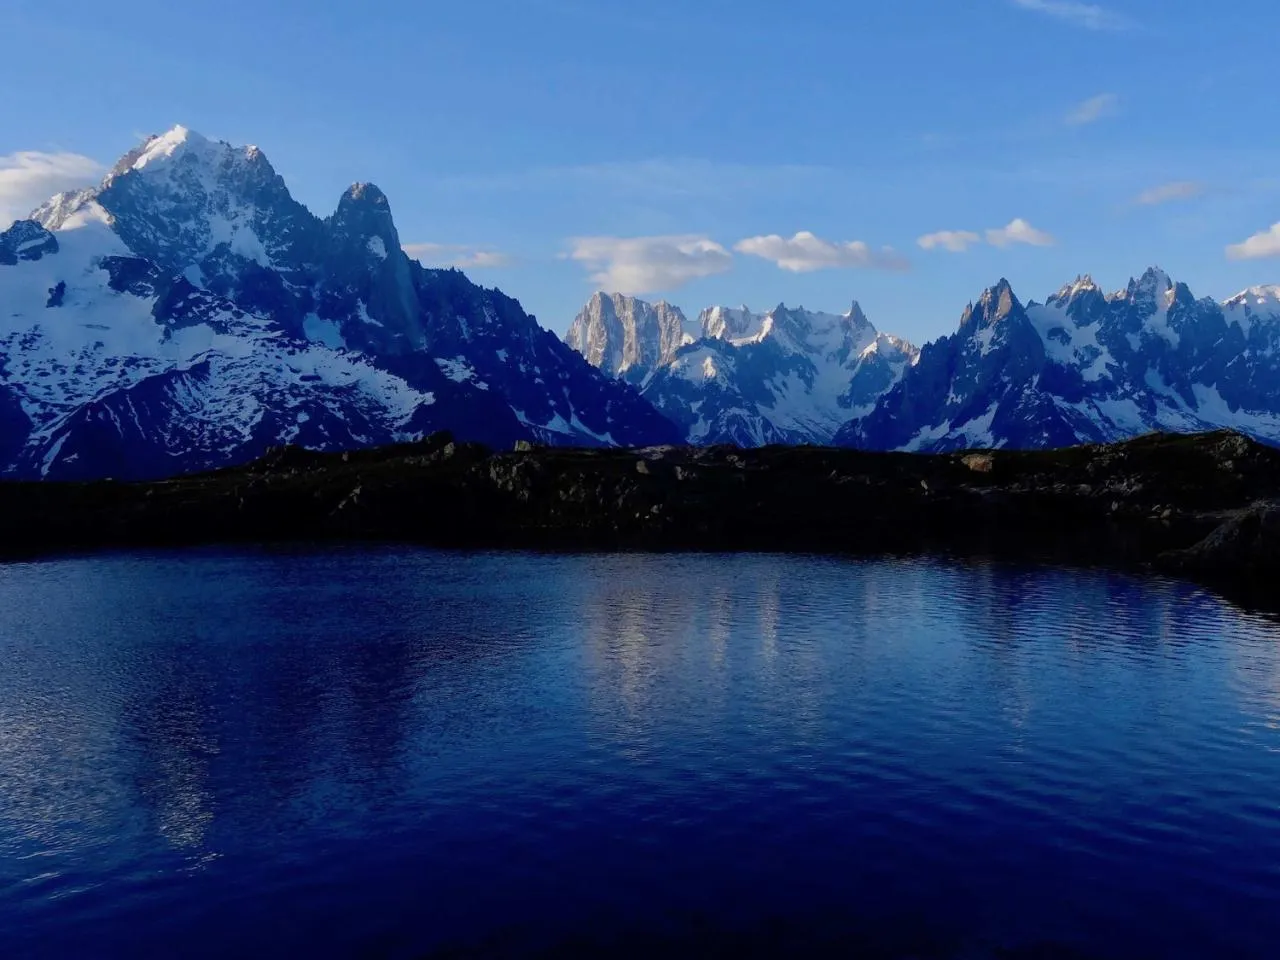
<point x="1205" y="507"/>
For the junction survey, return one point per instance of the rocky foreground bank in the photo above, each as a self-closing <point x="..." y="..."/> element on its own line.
<point x="1206" y="506"/>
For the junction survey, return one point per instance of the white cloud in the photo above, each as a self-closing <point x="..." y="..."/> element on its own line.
<point x="1087" y="15"/>
<point x="455" y="255"/>
<point x="29" y="178"/>
<point x="956" y="241"/>
<point x="635" y="265"/>
<point x="1019" y="231"/>
<point x="1257" y="247"/>
<point x="805" y="253"/>
<point x="1093" y="109"/>
<point x="1168" y="192"/>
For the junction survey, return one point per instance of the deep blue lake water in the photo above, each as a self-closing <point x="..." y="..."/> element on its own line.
<point x="399" y="753"/>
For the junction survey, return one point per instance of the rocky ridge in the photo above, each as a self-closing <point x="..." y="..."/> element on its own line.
<point x="787" y="375"/>
<point x="1087" y="367"/>
<point x="1204" y="506"/>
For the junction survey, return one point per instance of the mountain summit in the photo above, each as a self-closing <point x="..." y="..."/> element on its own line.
<point x="187" y="313"/>
<point x="626" y="337"/>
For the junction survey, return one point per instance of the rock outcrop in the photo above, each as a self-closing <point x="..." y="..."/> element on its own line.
<point x="1204" y="506"/>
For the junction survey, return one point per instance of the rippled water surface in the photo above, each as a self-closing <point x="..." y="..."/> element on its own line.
<point x="405" y="754"/>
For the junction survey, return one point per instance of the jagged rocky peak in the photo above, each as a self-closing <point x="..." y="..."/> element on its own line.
<point x="995" y="304"/>
<point x="1082" y="285"/>
<point x="365" y="208"/>
<point x="740" y="325"/>
<point x="782" y="323"/>
<point x="857" y="316"/>
<point x="728" y="323"/>
<point x="1082" y="300"/>
<point x="364" y="193"/>
<point x="628" y="337"/>
<point x="1153" y="286"/>
<point x="26" y="240"/>
<point x="793" y="329"/>
<point x="1001" y="295"/>
<point x="362" y="225"/>
<point x="858" y="326"/>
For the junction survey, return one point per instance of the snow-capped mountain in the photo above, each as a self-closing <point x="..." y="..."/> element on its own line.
<point x="188" y="313"/>
<point x="1087" y="366"/>
<point x="784" y="376"/>
<point x="111" y="366"/>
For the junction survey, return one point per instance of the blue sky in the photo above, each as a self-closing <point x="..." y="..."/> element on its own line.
<point x="676" y="148"/>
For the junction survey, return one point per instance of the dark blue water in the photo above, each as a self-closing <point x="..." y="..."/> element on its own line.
<point x="405" y="754"/>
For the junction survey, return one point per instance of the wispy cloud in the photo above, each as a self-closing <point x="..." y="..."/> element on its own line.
<point x="955" y="241"/>
<point x="959" y="241"/>
<point x="1168" y="193"/>
<point x="1019" y="231"/>
<point x="1093" y="110"/>
<point x="457" y="255"/>
<point x="30" y="177"/>
<point x="635" y="265"/>
<point x="1258" y="247"/>
<point x="805" y="253"/>
<point x="1090" y="16"/>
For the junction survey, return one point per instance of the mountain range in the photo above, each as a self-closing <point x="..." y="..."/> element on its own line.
<point x="783" y="376"/>
<point x="1084" y="366"/>
<point x="1087" y="367"/>
<point x="188" y="313"/>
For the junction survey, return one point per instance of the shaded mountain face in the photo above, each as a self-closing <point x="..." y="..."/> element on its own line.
<point x="113" y="366"/>
<point x="1087" y="367"/>
<point x="26" y="241"/>
<point x="189" y="313"/>
<point x="784" y="376"/>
